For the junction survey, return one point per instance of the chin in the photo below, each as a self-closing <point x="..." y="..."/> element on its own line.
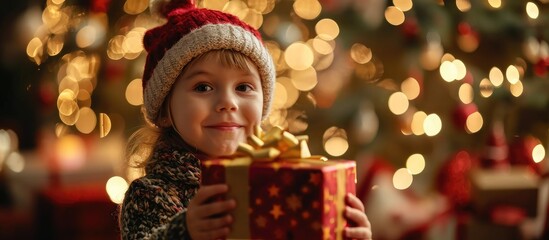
<point x="216" y="153"/>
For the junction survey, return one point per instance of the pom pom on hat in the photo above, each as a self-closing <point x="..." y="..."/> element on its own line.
<point x="188" y="33"/>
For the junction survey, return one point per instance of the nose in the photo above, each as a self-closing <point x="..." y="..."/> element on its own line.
<point x="226" y="102"/>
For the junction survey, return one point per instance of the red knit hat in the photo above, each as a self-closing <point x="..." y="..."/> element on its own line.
<point x="188" y="33"/>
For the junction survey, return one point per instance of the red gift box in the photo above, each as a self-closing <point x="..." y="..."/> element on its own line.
<point x="285" y="199"/>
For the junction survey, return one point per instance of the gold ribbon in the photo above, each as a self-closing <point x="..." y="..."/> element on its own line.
<point x="340" y="202"/>
<point x="276" y="144"/>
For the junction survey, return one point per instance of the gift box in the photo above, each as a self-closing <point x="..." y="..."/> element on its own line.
<point x="480" y="229"/>
<point x="284" y="195"/>
<point x="514" y="187"/>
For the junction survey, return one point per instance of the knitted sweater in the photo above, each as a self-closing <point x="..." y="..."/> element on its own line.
<point x="155" y="205"/>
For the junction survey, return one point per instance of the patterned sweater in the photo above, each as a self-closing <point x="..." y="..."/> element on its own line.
<point x="155" y="205"/>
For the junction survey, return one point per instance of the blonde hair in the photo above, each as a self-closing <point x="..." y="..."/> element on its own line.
<point x="142" y="142"/>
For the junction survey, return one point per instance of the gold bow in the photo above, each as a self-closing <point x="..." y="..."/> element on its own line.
<point x="276" y="144"/>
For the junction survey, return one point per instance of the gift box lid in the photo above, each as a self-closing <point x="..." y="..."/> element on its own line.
<point x="504" y="179"/>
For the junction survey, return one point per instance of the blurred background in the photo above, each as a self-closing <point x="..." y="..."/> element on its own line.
<point x="444" y="105"/>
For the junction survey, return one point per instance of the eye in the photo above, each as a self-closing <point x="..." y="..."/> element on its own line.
<point x="245" y="87"/>
<point x="202" y="87"/>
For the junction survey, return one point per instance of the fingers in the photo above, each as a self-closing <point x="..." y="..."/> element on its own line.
<point x="217" y="223"/>
<point x="199" y="208"/>
<point x="211" y="209"/>
<point x="206" y="192"/>
<point x="357" y="217"/>
<point x="210" y="228"/>
<point x="209" y="220"/>
<point x="354" y="202"/>
<point x="354" y="212"/>
<point x="358" y="233"/>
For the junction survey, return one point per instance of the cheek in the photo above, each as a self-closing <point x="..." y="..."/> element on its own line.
<point x="253" y="112"/>
<point x="186" y="119"/>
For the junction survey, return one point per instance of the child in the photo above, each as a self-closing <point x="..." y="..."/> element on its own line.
<point x="208" y="81"/>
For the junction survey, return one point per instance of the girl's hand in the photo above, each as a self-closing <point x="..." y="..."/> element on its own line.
<point x="354" y="212"/>
<point x="209" y="220"/>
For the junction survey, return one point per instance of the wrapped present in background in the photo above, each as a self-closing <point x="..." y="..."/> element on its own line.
<point x="495" y="189"/>
<point x="480" y="229"/>
<point x="281" y="191"/>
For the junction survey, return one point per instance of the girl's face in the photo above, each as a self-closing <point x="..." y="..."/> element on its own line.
<point x="214" y="107"/>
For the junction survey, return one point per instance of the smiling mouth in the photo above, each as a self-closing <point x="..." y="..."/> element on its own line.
<point x="225" y="126"/>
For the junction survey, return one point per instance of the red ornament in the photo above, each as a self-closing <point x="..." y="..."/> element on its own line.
<point x="410" y="28"/>
<point x="100" y="6"/>
<point x="453" y="181"/>
<point x="464" y="28"/>
<point x="47" y="94"/>
<point x="541" y="67"/>
<point x="462" y="112"/>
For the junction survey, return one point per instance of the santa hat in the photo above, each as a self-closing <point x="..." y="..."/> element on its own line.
<point x="188" y="33"/>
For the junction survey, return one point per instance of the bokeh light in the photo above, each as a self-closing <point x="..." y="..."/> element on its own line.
<point x="299" y="56"/>
<point x="432" y="125"/>
<point x="135" y="7"/>
<point x="280" y="96"/>
<point x="335" y="141"/>
<point x="15" y="162"/>
<point x="70" y="152"/>
<point x="538" y="153"/>
<point x="86" y="36"/>
<point x="512" y="74"/>
<point x="86" y="120"/>
<point x="404" y="5"/>
<point x="532" y="10"/>
<point x="410" y="86"/>
<point x="417" y="123"/>
<point x="394" y="16"/>
<point x="215" y="4"/>
<point x="474" y="122"/>
<point x="495" y="3"/>
<point x="448" y="71"/>
<point x="402" y="179"/>
<point x="307" y="9"/>
<point x="322" y="46"/>
<point x="463" y="5"/>
<point x="415" y="163"/>
<point x="516" y="89"/>
<point x="134" y="92"/>
<point x="360" y="53"/>
<point x="116" y="187"/>
<point x="327" y="29"/>
<point x="398" y="103"/>
<point x="292" y="93"/>
<point x="486" y="88"/>
<point x="104" y="125"/>
<point x="466" y="93"/>
<point x="305" y="79"/>
<point x="496" y="76"/>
